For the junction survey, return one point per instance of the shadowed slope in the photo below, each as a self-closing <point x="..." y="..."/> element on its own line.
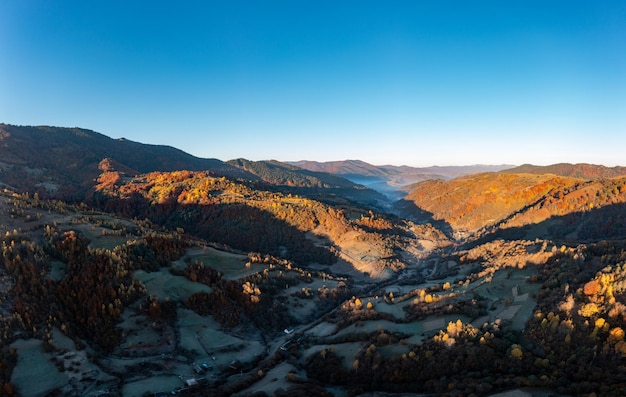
<point x="318" y="185"/>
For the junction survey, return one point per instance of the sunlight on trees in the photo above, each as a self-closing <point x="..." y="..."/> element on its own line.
<point x="516" y="352"/>
<point x="588" y="309"/>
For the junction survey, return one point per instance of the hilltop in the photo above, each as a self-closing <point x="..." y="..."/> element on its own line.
<point x="64" y="162"/>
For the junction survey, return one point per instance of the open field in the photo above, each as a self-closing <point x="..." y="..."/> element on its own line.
<point x="165" y="285"/>
<point x="232" y="266"/>
<point x="35" y="375"/>
<point x="322" y="329"/>
<point x="395" y="309"/>
<point x="304" y="309"/>
<point x="57" y="270"/>
<point x="204" y="331"/>
<point x="101" y="236"/>
<point x="153" y="385"/>
<point x="273" y="380"/>
<point x="513" y="295"/>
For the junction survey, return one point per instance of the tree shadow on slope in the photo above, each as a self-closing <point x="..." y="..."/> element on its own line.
<point x="408" y="210"/>
<point x="236" y="225"/>
<point x="607" y="222"/>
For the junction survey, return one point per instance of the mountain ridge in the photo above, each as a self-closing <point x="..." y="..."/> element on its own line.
<point x="390" y="179"/>
<point x="66" y="160"/>
<point x="359" y="167"/>
<point x="576" y="170"/>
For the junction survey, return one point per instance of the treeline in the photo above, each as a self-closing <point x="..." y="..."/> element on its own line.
<point x="24" y="268"/>
<point x="460" y="361"/>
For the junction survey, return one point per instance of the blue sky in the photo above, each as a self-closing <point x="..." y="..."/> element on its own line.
<point x="388" y="82"/>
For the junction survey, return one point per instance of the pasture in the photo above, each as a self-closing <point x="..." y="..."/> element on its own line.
<point x="164" y="285"/>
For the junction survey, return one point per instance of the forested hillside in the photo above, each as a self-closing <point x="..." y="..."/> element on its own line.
<point x="64" y="162"/>
<point x="304" y="230"/>
<point x="70" y="279"/>
<point x="499" y="201"/>
<point x="277" y="173"/>
<point x="318" y="185"/>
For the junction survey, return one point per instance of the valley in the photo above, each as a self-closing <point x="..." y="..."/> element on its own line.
<point x="171" y="340"/>
<point x="201" y="278"/>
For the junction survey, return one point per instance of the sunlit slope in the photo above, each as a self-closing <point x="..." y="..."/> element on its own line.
<point x="245" y="218"/>
<point x="475" y="202"/>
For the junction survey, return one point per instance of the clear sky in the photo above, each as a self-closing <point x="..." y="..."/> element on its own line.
<point x="387" y="82"/>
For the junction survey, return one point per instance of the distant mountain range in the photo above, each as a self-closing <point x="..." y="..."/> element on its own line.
<point x="582" y="170"/>
<point x="389" y="179"/>
<point x="65" y="161"/>
<point x="402" y="175"/>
